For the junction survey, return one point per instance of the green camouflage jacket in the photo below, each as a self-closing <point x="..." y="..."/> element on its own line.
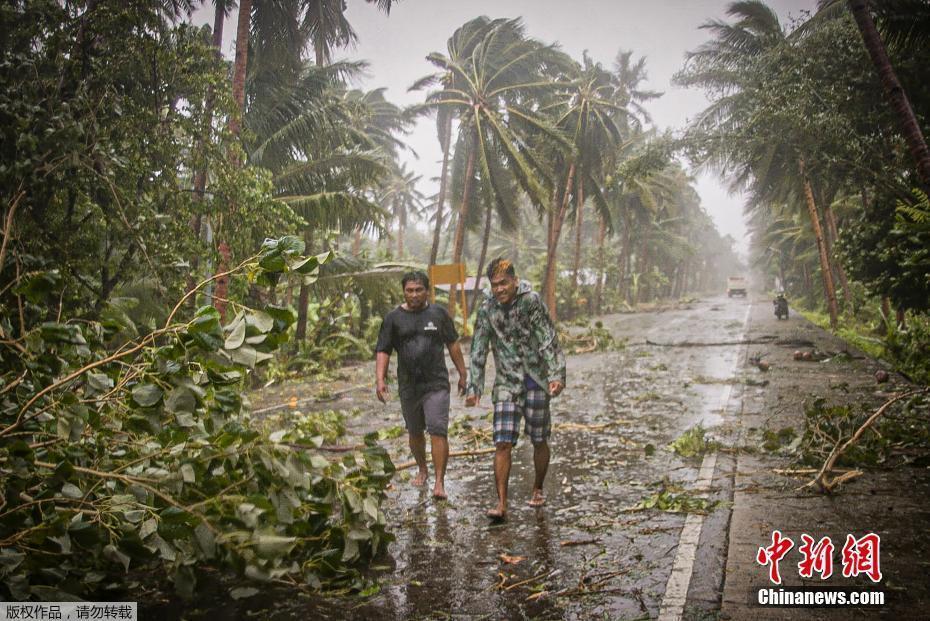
<point x="524" y="342"/>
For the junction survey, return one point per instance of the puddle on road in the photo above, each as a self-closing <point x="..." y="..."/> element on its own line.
<point x="447" y="556"/>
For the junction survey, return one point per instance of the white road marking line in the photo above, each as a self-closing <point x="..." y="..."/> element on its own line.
<point x="676" y="590"/>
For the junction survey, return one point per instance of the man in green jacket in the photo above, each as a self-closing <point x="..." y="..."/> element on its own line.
<point x="530" y="369"/>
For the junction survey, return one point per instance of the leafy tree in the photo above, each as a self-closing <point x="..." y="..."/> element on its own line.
<point x="99" y="149"/>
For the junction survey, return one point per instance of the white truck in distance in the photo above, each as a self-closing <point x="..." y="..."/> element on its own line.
<point x="736" y="285"/>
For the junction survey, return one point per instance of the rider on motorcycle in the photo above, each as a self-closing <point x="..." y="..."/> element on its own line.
<point x="781" y="305"/>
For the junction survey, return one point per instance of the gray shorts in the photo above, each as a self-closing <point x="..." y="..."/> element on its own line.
<point x="429" y="411"/>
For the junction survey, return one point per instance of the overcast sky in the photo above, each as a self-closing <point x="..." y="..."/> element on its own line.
<point x="663" y="31"/>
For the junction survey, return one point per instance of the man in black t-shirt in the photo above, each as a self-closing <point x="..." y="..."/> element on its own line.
<point x="418" y="331"/>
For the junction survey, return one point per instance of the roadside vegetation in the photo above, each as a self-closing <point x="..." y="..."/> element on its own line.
<point x="824" y="133"/>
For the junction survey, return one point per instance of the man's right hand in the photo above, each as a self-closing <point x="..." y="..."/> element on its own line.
<point x="381" y="391"/>
<point x="471" y="401"/>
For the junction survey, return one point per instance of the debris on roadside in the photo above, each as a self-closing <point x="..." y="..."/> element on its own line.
<point x="692" y="443"/>
<point x="874" y="447"/>
<point x="786" y="440"/>
<point x="595" y="338"/>
<point x="682" y="502"/>
<point x="579" y="542"/>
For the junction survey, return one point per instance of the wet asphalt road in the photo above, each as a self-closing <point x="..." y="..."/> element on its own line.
<point x="586" y="554"/>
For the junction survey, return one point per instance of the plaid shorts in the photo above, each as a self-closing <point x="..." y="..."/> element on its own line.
<point x="535" y="411"/>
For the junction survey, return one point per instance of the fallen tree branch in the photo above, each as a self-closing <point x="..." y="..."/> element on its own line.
<point x="765" y="340"/>
<point x="294" y="403"/>
<point x="328" y="449"/>
<point x="802" y="471"/>
<point x="542" y="576"/>
<point x="822" y="481"/>
<point x="412" y="462"/>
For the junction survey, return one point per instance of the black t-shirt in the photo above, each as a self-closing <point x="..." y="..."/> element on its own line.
<point x="418" y="337"/>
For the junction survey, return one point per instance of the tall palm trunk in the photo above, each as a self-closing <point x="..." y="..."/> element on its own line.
<point x="833" y="233"/>
<point x="899" y="100"/>
<point x="551" y="215"/>
<point x="243" y="27"/>
<point x="825" y="267"/>
<point x="599" y="287"/>
<point x="555" y="231"/>
<point x="443" y="181"/>
<point x="484" y="253"/>
<point x="579" y="222"/>
<point x="463" y="214"/>
<point x="200" y="176"/>
<point x="357" y="242"/>
<point x="235" y="126"/>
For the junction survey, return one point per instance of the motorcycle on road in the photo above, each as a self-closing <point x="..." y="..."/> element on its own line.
<point x="781" y="307"/>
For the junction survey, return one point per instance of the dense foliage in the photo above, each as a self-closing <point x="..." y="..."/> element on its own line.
<point x="125" y="436"/>
<point x="115" y="458"/>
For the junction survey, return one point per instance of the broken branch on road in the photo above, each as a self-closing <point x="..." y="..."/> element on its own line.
<point x="762" y="340"/>
<point x="822" y="480"/>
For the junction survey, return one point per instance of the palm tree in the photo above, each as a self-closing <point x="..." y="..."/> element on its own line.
<point x="644" y="184"/>
<point x="583" y="109"/>
<point x="459" y="46"/>
<point x="495" y="82"/>
<point x="326" y="26"/>
<point x="628" y="76"/>
<point x="200" y="175"/>
<point x="764" y="151"/>
<point x="312" y="136"/>
<point x="243" y="28"/>
<point x="399" y="195"/>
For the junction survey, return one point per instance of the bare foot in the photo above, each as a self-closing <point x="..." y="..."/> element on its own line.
<point x="439" y="492"/>
<point x="538" y="499"/>
<point x="420" y="479"/>
<point x="497" y="514"/>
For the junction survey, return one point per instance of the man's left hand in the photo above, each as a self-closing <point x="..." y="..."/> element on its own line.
<point x="463" y="384"/>
<point x="555" y="387"/>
